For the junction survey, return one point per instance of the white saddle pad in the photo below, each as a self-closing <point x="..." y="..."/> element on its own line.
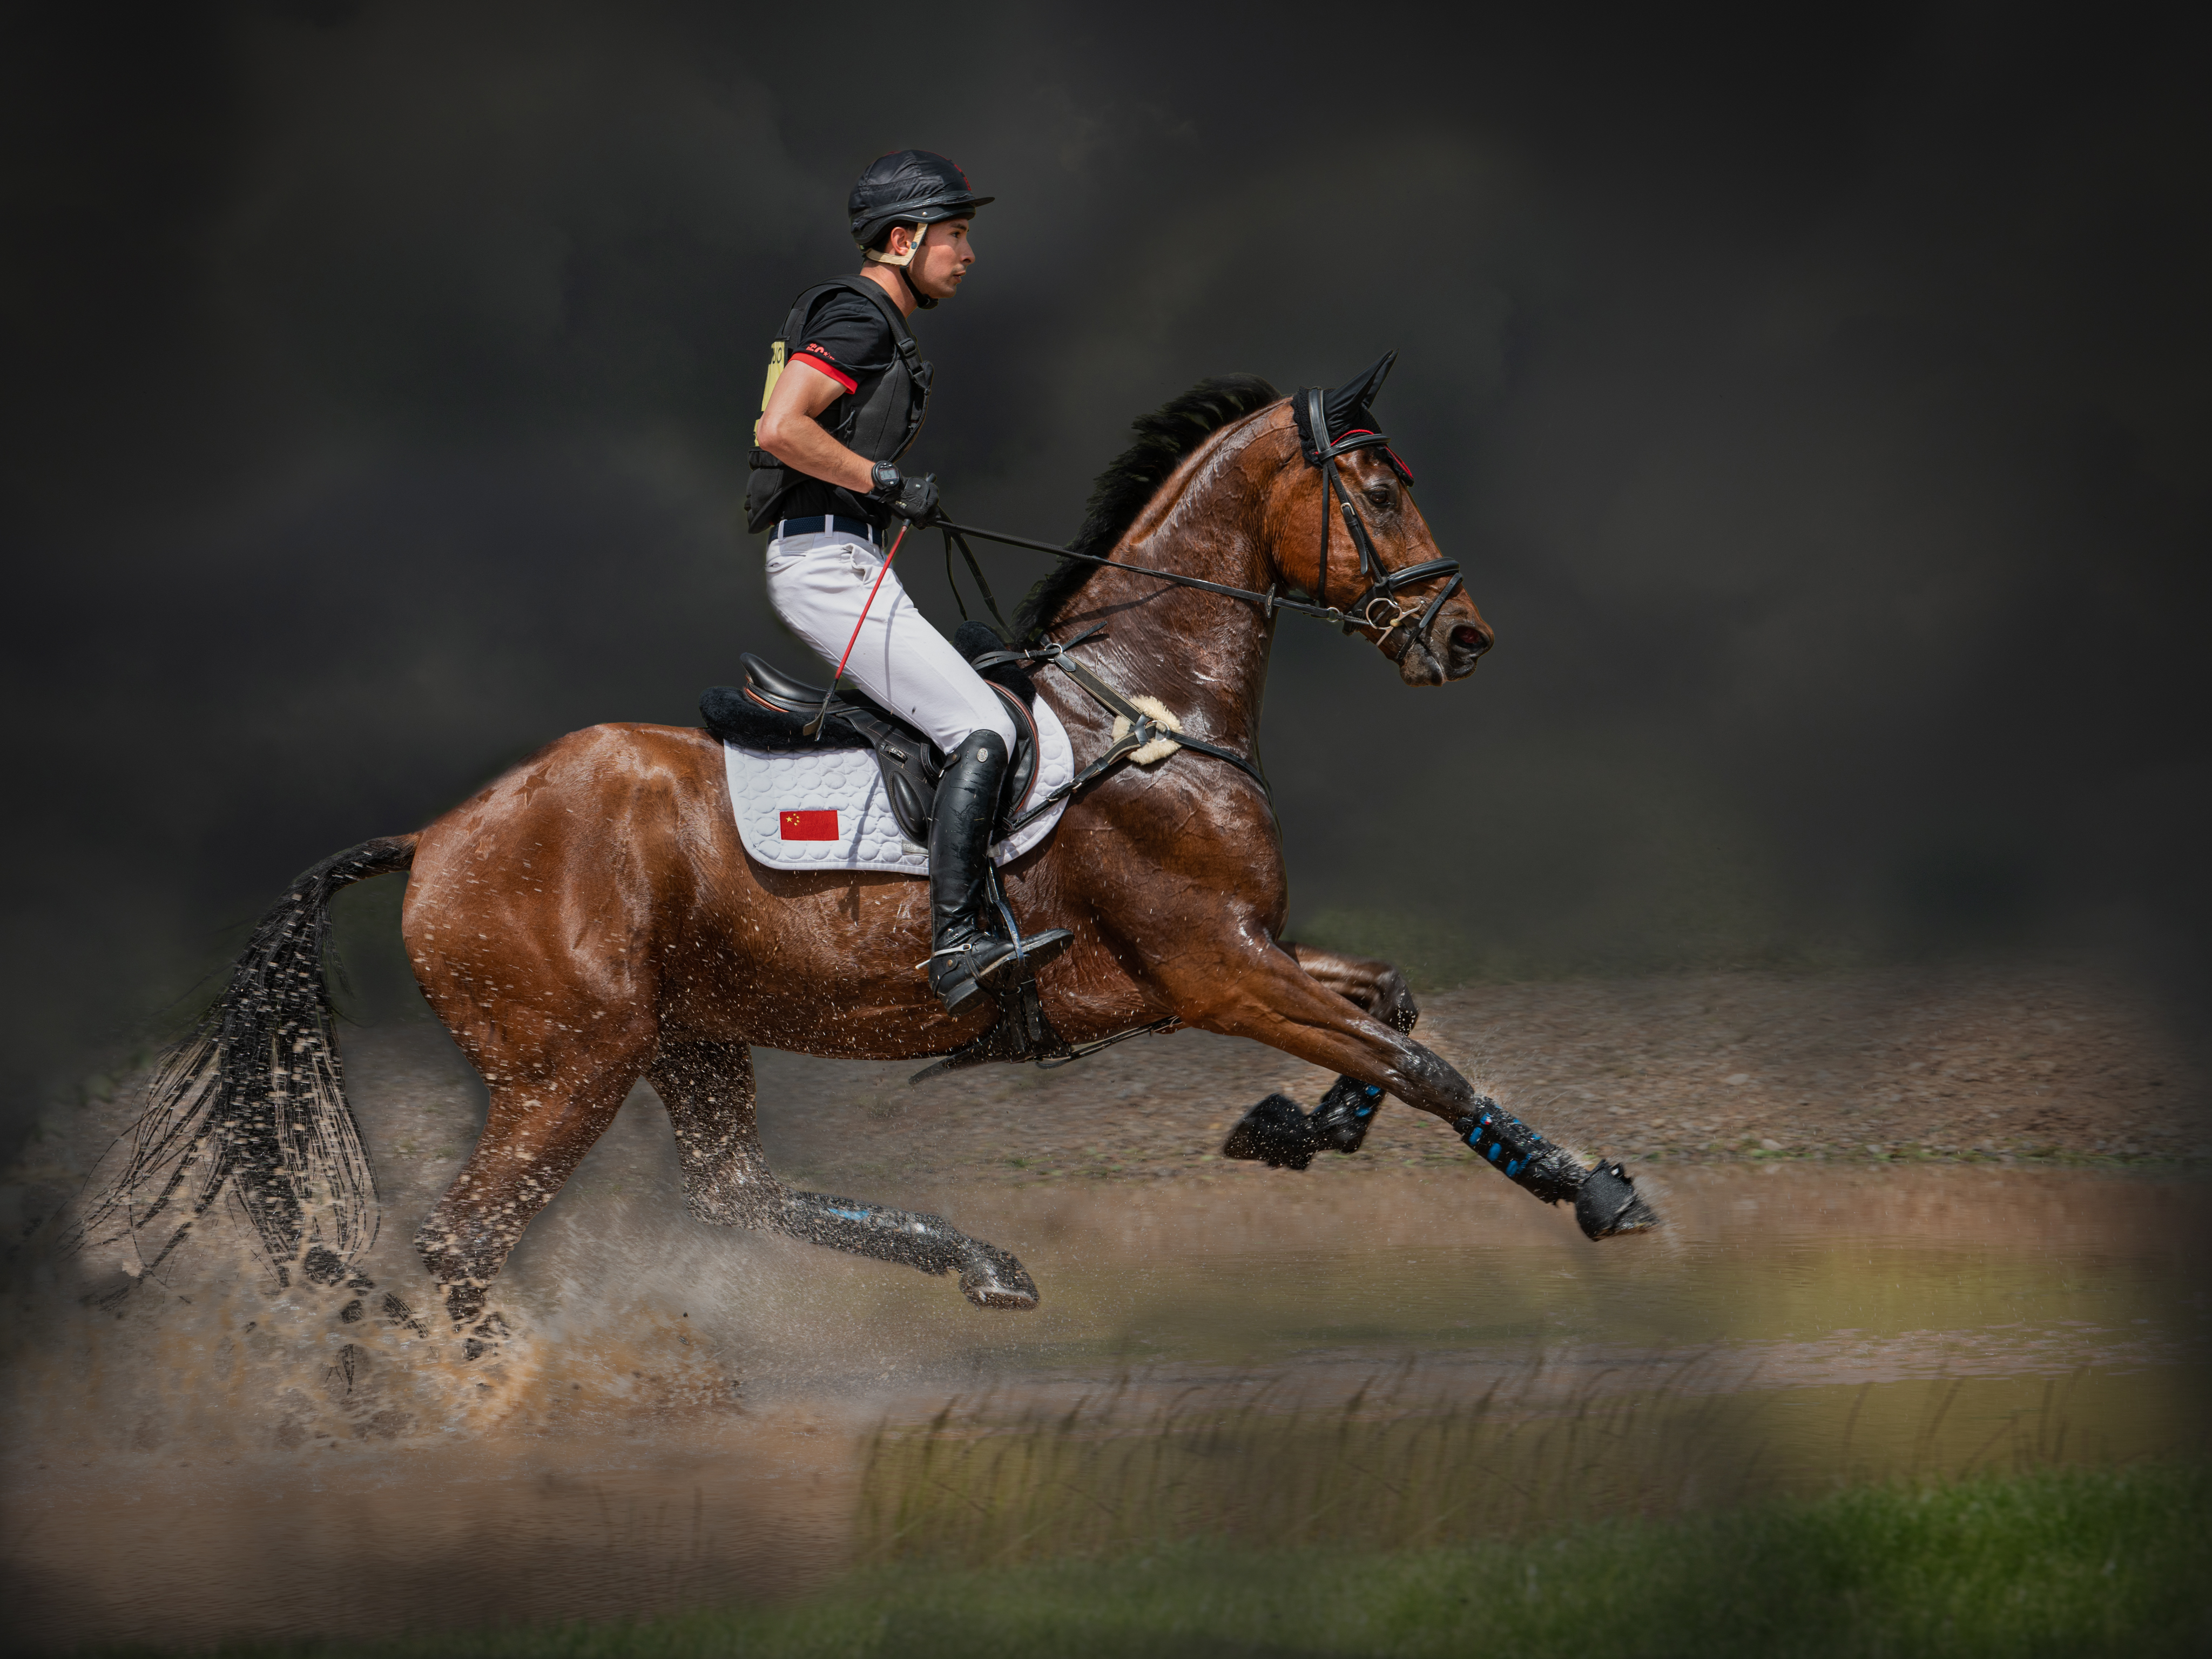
<point x="825" y="809"/>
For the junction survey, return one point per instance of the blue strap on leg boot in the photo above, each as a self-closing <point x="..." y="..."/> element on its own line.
<point x="1605" y="1199"/>
<point x="1277" y="1133"/>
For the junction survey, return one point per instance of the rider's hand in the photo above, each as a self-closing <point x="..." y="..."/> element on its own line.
<point x="914" y="499"/>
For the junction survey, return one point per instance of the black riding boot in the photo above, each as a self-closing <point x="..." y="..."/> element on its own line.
<point x="966" y="965"/>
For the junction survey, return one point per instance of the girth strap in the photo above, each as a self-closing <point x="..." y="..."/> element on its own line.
<point x="1143" y="729"/>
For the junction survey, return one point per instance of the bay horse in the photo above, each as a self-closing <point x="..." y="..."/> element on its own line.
<point x="590" y="918"/>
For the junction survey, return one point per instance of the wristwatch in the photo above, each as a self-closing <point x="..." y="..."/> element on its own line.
<point x="886" y="481"/>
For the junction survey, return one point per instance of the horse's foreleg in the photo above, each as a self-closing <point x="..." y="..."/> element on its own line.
<point x="1276" y="1000"/>
<point x="708" y="1090"/>
<point x="1340" y="1124"/>
<point x="1376" y="987"/>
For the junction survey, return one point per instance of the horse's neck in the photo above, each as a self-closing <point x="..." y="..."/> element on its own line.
<point x="1204" y="655"/>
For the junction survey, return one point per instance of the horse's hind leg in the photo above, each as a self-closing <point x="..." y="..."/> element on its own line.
<point x="537" y="1132"/>
<point x="1275" y="1132"/>
<point x="708" y="1088"/>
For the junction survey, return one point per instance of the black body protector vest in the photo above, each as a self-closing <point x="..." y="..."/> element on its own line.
<point x="877" y="421"/>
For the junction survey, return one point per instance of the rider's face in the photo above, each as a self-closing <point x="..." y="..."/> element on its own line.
<point x="944" y="259"/>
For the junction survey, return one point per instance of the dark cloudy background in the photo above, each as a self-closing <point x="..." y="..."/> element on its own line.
<point x="1818" y="397"/>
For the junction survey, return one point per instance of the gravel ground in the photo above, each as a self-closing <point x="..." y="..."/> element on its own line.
<point x="2042" y="1061"/>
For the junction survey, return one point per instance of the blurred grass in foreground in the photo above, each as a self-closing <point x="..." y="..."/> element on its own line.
<point x="1408" y="1460"/>
<point x="2061" y="1562"/>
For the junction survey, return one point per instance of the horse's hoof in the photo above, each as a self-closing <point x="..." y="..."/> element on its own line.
<point x="1274" y="1133"/>
<point x="1339" y="1123"/>
<point x="992" y="1279"/>
<point x="1607" y="1205"/>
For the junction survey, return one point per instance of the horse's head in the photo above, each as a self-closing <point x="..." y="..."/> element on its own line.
<point x="1343" y="529"/>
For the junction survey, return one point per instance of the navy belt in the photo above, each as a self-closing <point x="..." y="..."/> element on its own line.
<point x="827" y="524"/>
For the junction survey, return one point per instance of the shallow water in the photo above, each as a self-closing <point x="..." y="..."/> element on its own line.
<point x="689" y="1414"/>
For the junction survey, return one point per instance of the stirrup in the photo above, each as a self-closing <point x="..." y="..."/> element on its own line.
<point x="1000" y="970"/>
<point x="1004" y="971"/>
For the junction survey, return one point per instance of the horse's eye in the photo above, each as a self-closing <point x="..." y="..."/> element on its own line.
<point x="1380" y="495"/>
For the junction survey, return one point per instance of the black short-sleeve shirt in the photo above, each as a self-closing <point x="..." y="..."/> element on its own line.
<point x="846" y="338"/>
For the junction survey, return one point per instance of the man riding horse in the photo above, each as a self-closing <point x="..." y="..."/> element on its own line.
<point x="826" y="486"/>
<point x="592" y="918"/>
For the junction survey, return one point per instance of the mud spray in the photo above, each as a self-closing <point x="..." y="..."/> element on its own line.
<point x="211" y="1451"/>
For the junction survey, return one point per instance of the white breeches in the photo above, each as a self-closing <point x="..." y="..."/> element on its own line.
<point x="818" y="584"/>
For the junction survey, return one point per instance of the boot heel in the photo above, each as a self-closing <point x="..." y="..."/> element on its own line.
<point x="963" y="994"/>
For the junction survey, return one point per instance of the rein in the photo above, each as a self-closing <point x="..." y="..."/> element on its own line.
<point x="1378" y="607"/>
<point x="1269" y="602"/>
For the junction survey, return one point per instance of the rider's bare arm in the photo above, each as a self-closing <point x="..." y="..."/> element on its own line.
<point x="791" y="429"/>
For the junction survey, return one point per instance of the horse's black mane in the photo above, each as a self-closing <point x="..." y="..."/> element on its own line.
<point x="1165" y="439"/>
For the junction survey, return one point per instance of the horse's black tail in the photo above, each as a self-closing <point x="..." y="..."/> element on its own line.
<point x="253" y="1103"/>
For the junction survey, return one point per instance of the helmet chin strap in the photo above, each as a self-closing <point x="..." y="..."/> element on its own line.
<point x="899" y="262"/>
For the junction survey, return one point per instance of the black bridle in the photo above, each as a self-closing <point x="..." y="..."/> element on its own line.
<point x="1378" y="608"/>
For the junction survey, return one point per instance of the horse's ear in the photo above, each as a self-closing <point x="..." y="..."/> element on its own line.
<point x="1360" y="391"/>
<point x="1364" y="388"/>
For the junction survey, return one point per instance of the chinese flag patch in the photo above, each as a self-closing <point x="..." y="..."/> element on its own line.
<point x="809" y="825"/>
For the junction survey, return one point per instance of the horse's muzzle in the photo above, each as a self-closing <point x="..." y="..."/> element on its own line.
<point x="1448" y="651"/>
<point x="1464" y="644"/>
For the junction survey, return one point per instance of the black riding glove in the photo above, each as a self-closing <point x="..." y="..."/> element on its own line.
<point x="910" y="498"/>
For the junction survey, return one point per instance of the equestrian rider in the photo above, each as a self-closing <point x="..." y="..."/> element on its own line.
<point x="827" y="486"/>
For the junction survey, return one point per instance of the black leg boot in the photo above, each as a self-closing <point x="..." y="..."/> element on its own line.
<point x="966" y="965"/>
<point x="1605" y="1199"/>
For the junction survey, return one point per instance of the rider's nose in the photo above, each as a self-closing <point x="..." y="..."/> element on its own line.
<point x="1469" y="636"/>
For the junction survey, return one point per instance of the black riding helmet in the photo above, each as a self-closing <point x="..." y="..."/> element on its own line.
<point x="914" y="187"/>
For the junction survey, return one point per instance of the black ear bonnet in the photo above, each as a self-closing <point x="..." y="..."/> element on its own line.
<point x="1348" y="410"/>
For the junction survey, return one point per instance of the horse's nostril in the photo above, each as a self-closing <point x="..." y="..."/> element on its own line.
<point x="1468" y="637"/>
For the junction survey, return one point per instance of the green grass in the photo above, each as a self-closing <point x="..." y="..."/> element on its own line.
<point x="2063" y="1563"/>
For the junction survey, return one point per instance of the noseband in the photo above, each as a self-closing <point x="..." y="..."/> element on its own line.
<point x="1379" y="607"/>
